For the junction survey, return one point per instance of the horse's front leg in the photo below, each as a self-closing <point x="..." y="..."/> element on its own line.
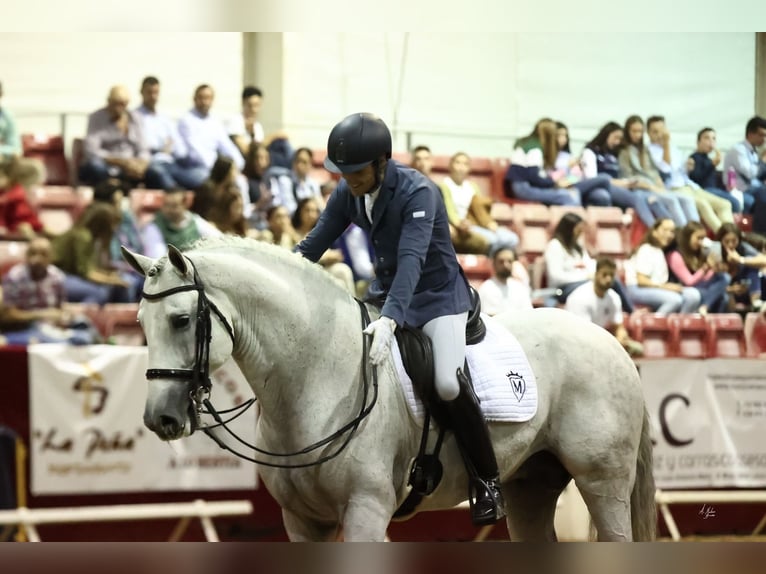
<point x="367" y="517"/>
<point x="302" y="530"/>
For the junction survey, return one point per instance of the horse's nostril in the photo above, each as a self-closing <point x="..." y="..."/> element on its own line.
<point x="169" y="425"/>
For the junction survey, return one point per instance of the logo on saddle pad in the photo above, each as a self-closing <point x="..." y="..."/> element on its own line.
<point x="518" y="384"/>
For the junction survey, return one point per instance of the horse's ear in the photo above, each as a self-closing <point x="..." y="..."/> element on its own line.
<point x="177" y="259"/>
<point x="140" y="263"/>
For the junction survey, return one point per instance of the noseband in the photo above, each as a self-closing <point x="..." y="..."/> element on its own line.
<point x="199" y="375"/>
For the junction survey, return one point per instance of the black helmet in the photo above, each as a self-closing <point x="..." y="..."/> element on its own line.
<point x="355" y="142"/>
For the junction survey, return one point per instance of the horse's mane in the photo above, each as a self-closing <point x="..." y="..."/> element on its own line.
<point x="253" y="249"/>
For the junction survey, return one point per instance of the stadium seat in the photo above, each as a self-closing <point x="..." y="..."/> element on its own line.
<point x="605" y="216"/>
<point x="49" y="150"/>
<point x="531" y="214"/>
<point x="558" y="211"/>
<point x="78" y="155"/>
<point x="120" y="323"/>
<point x="755" y="335"/>
<point x="532" y="240"/>
<point x="476" y="267"/>
<point x="499" y="169"/>
<point x="726" y="335"/>
<point x="56" y="221"/>
<point x="692" y="335"/>
<point x="11" y="253"/>
<point x="608" y="241"/>
<point x="657" y="334"/>
<point x="502" y="213"/>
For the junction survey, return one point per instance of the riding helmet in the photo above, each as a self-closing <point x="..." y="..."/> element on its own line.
<point x="357" y="141"/>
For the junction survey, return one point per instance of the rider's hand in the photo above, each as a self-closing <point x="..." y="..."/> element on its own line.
<point x="382" y="331"/>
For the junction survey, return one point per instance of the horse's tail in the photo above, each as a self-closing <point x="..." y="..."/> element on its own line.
<point x="643" y="510"/>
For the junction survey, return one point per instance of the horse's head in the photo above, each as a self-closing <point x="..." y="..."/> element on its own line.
<point x="187" y="336"/>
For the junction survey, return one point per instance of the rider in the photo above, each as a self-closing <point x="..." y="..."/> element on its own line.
<point x="417" y="273"/>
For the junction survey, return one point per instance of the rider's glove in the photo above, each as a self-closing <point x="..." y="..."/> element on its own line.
<point x="382" y="331"/>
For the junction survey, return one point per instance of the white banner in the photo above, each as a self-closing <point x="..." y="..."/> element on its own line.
<point x="708" y="422"/>
<point x="87" y="432"/>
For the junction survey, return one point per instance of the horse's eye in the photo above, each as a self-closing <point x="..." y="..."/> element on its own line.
<point x="180" y="321"/>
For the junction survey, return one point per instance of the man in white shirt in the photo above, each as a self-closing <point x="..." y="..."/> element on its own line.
<point x="502" y="292"/>
<point x="598" y="303"/>
<point x="749" y="167"/>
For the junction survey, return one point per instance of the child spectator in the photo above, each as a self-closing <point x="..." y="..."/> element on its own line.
<point x="17" y="215"/>
<point x="304" y="185"/>
<point x="743" y="263"/>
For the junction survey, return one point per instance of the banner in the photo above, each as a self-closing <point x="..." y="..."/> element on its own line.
<point x="88" y="436"/>
<point x="708" y="422"/>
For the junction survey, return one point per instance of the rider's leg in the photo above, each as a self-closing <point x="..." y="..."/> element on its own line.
<point x="448" y="340"/>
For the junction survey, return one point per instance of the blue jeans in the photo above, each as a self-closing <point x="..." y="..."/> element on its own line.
<point x="646" y="204"/>
<point x="713" y="292"/>
<point x="95" y="170"/>
<point x="80" y="290"/>
<point x="500" y="236"/>
<point x="758" y="196"/>
<point x="664" y="301"/>
<point x="546" y="196"/>
<point x="736" y="206"/>
<point x="39" y="334"/>
<point x="595" y="190"/>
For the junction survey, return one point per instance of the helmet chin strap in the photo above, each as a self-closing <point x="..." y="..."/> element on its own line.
<point x="378" y="179"/>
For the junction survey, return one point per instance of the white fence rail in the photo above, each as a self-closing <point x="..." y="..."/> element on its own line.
<point x="29" y="518"/>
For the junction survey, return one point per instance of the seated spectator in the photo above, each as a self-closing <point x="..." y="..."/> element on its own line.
<point x="245" y="130"/>
<point x="33" y="294"/>
<point x="115" y="145"/>
<point x="227" y="212"/>
<point x="647" y="275"/>
<point x="280" y="229"/>
<point x="304" y="186"/>
<point x="304" y="219"/>
<point x="167" y="149"/>
<point x="174" y="225"/>
<point x="82" y="253"/>
<point x="205" y="137"/>
<point x="672" y="167"/>
<point x="702" y="167"/>
<point x="533" y="158"/>
<point x="504" y="292"/>
<point x="692" y="266"/>
<point x="269" y="185"/>
<point x="568" y="264"/>
<point x="422" y="160"/>
<point x="223" y="175"/>
<point x="743" y="263"/>
<point x="635" y="164"/>
<point x="468" y="210"/>
<point x="593" y="190"/>
<point x="597" y="302"/>
<point x="750" y="170"/>
<point x="17" y="215"/>
<point x="600" y="158"/>
<point x="10" y="141"/>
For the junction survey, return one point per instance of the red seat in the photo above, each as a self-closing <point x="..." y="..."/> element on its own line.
<point x="55" y="220"/>
<point x="755" y="335"/>
<point x="607" y="241"/>
<point x="499" y="169"/>
<point x="502" y="213"/>
<point x="558" y="211"/>
<point x="657" y="333"/>
<point x="533" y="240"/>
<point x="692" y="335"/>
<point x="726" y="335"/>
<point x="78" y="156"/>
<point x="11" y="253"/>
<point x="531" y="214"/>
<point x="57" y="197"/>
<point x="605" y="216"/>
<point x="49" y="150"/>
<point x="477" y="267"/>
<point x="120" y="323"/>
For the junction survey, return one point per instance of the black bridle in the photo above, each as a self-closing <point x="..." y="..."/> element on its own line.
<point x="199" y="377"/>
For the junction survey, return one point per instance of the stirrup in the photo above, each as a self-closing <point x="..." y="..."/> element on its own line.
<point x="485" y="500"/>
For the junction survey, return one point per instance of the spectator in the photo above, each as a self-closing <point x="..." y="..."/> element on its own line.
<point x="227" y="212"/>
<point x="269" y="185"/>
<point x="703" y="169"/>
<point x="750" y="169"/>
<point x="17" y="215"/>
<point x="648" y="278"/>
<point x="280" y="229"/>
<point x="167" y="149"/>
<point x="33" y="294"/>
<point x="692" y="266"/>
<point x="82" y="253"/>
<point x="743" y="264"/>
<point x="304" y="219"/>
<point x="593" y="190"/>
<point x="223" y="175"/>
<point x="174" y="225"/>
<point x="468" y="210"/>
<point x="600" y="158"/>
<point x="672" y="167"/>
<point x="115" y="145"/>
<point x="534" y="156"/>
<point x="503" y="292"/>
<point x="568" y="264"/>
<point x="245" y="130"/>
<point x="10" y="142"/>
<point x="422" y="160"/>
<point x="598" y="303"/>
<point x="205" y="137"/>
<point x="304" y="185"/>
<point x="635" y="164"/>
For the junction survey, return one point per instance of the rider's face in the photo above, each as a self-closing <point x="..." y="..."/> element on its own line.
<point x="361" y="182"/>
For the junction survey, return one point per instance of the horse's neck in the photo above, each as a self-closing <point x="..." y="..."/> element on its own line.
<point x="298" y="340"/>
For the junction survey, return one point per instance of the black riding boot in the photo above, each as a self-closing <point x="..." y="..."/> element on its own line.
<point x="470" y="428"/>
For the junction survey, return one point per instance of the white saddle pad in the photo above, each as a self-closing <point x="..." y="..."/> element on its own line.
<point x="501" y="375"/>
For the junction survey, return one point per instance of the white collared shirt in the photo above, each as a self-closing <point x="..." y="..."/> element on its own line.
<point x="369" y="201"/>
